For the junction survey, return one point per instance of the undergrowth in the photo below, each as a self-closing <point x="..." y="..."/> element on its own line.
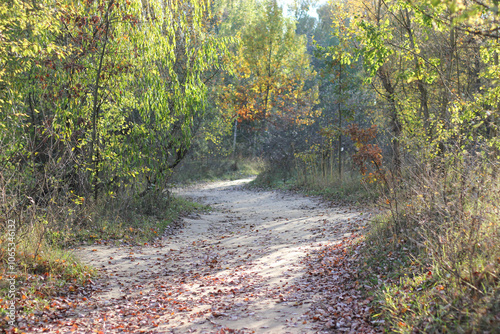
<point x="143" y="221"/>
<point x="211" y="169"/>
<point x="435" y="263"/>
<point x="432" y="260"/>
<point x="350" y="190"/>
<point x="414" y="292"/>
<point x="42" y="272"/>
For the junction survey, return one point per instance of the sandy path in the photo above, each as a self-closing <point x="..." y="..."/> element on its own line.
<point x="224" y="271"/>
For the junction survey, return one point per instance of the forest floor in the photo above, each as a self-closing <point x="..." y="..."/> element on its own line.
<point x="259" y="262"/>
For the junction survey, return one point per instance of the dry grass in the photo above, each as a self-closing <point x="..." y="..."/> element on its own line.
<point x="445" y="235"/>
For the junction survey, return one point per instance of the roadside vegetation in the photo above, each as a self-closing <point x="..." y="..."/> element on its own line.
<point x="90" y="132"/>
<point x="436" y="263"/>
<point x="351" y="190"/>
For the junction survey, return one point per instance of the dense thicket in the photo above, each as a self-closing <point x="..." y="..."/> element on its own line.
<point x="99" y="98"/>
<point x="434" y="68"/>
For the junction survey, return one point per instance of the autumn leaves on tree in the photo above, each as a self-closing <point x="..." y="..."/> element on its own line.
<point x="271" y="72"/>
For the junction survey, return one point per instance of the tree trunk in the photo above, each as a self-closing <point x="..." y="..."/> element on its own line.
<point x="96" y="106"/>
<point x="424" y="105"/>
<point x="340" y="123"/>
<point x="395" y="122"/>
<point x="234" y="144"/>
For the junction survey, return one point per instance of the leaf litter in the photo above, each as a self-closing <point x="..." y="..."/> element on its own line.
<point x="260" y="262"/>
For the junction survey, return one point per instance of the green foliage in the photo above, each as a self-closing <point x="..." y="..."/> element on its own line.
<point x="441" y="101"/>
<point x="101" y="97"/>
<point x="269" y="90"/>
<point x="434" y="69"/>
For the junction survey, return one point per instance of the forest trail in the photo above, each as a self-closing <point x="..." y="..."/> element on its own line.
<point x="237" y="269"/>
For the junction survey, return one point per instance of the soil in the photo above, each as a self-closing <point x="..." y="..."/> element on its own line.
<point x="230" y="270"/>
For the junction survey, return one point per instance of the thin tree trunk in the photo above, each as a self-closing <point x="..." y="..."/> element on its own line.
<point x="234" y="144"/>
<point x="340" y="123"/>
<point x="268" y="88"/>
<point x="96" y="107"/>
<point x="424" y="106"/>
<point x="332" y="154"/>
<point x="395" y="122"/>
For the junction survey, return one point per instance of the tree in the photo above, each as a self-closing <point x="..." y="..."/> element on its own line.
<point x="272" y="66"/>
<point x="342" y="96"/>
<point x="173" y="83"/>
<point x="102" y="96"/>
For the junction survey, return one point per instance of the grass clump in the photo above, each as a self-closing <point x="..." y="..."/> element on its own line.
<point x="144" y="222"/>
<point x="43" y="272"/>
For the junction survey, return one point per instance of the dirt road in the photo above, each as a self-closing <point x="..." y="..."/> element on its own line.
<point x="238" y="269"/>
